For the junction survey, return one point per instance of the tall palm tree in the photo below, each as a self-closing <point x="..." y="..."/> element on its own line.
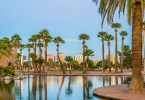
<point x="143" y="41"/>
<point x="15" y="40"/>
<point x="135" y="10"/>
<point x="57" y="40"/>
<point x="46" y="38"/>
<point x="123" y="34"/>
<point x="22" y="46"/>
<point x="87" y="53"/>
<point x="108" y="38"/>
<point x="28" y="46"/>
<point x="33" y="39"/>
<point x="84" y="37"/>
<point x="102" y="36"/>
<point x="69" y="59"/>
<point x="116" y="26"/>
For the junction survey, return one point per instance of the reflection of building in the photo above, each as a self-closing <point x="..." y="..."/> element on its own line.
<point x="50" y="58"/>
<point x="95" y="60"/>
<point x="79" y="58"/>
<point x="112" y="58"/>
<point x="61" y="56"/>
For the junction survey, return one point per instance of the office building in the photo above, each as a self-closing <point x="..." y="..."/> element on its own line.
<point x="112" y="58"/>
<point x="79" y="58"/>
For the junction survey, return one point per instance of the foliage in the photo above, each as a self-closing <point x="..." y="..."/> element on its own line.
<point x="127" y="58"/>
<point x="9" y="70"/>
<point x="76" y="65"/>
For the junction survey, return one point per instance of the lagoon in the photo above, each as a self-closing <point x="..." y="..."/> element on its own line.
<point x="42" y="87"/>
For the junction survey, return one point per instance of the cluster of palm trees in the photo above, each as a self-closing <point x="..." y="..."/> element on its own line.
<point x="108" y="37"/>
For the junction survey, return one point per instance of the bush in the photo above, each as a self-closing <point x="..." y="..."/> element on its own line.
<point x="9" y="70"/>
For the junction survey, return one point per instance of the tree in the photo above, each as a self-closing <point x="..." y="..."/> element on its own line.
<point x="84" y="37"/>
<point x="33" y="39"/>
<point x="108" y="38"/>
<point x="69" y="59"/>
<point x="46" y="38"/>
<point x="102" y="36"/>
<point x="123" y="34"/>
<point x="135" y="10"/>
<point x="15" y="40"/>
<point x="127" y="57"/>
<point x="116" y="26"/>
<point x="22" y="46"/>
<point x="57" y="40"/>
<point x="87" y="53"/>
<point x="28" y="46"/>
<point x="34" y="61"/>
<point x="143" y="41"/>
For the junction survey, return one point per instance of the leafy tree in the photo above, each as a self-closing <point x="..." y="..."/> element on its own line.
<point x="127" y="57"/>
<point x="34" y="61"/>
<point x="123" y="34"/>
<point x="102" y="36"/>
<point x="84" y="37"/>
<point x="76" y="65"/>
<point x="69" y="59"/>
<point x="135" y="10"/>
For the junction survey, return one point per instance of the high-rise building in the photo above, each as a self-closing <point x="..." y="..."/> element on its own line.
<point x="79" y="58"/>
<point x="95" y="60"/>
<point x="23" y="58"/>
<point x="112" y="58"/>
<point x="50" y="57"/>
<point x="61" y="56"/>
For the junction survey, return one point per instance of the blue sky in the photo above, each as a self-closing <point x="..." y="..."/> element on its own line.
<point x="65" y="18"/>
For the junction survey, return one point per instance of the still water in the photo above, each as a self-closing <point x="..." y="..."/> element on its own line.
<point x="57" y="87"/>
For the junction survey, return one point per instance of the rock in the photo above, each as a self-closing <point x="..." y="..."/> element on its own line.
<point x="7" y="78"/>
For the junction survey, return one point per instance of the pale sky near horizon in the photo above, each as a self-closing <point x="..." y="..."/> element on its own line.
<point x="65" y="18"/>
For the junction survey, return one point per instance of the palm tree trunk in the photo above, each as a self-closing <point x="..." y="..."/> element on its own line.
<point x="45" y="55"/>
<point x="109" y="57"/>
<point x="84" y="69"/>
<point x="136" y="85"/>
<point x="60" y="87"/>
<point x="116" y="56"/>
<point x="58" y="58"/>
<point x="70" y="68"/>
<point x="28" y="60"/>
<point x="103" y="68"/>
<point x="21" y="60"/>
<point x="45" y="87"/>
<point x="122" y="51"/>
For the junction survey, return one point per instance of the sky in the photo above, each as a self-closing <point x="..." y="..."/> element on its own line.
<point x="65" y="18"/>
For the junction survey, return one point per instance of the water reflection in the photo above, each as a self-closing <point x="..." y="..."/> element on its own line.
<point x="39" y="87"/>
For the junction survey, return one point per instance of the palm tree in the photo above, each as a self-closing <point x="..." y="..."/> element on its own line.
<point x="135" y="10"/>
<point x="57" y="40"/>
<point x="69" y="59"/>
<point x="102" y="36"/>
<point x="143" y="41"/>
<point x="19" y="61"/>
<point x="87" y="53"/>
<point x="123" y="34"/>
<point x="84" y="37"/>
<point x="33" y="39"/>
<point x="116" y="26"/>
<point x="108" y="38"/>
<point x="15" y="40"/>
<point x="34" y="61"/>
<point x="28" y="46"/>
<point x="46" y="38"/>
<point x="22" y="46"/>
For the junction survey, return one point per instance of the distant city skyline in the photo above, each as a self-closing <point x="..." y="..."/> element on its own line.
<point x="64" y="18"/>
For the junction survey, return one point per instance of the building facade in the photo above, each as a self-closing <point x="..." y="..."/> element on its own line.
<point x="112" y="58"/>
<point x="79" y="58"/>
<point x="95" y="60"/>
<point x="61" y="56"/>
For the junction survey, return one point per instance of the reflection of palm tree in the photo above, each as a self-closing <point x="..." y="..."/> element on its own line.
<point x="28" y="88"/>
<point x="103" y="80"/>
<point x="34" y="84"/>
<point x="40" y="87"/>
<point x="109" y="80"/>
<point x="116" y="80"/>
<point x="60" y="87"/>
<point x="86" y="85"/>
<point x="45" y="87"/>
<point x="69" y="91"/>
